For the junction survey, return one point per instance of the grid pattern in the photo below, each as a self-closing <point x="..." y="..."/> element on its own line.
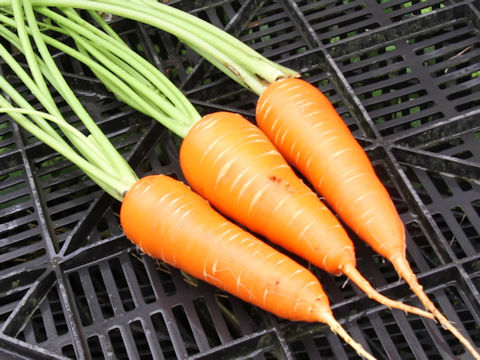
<point x="404" y="75"/>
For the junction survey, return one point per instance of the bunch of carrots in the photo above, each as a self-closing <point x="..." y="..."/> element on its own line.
<point x="248" y="180"/>
<point x="160" y="214"/>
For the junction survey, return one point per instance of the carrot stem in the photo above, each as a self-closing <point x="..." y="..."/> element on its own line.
<point x="94" y="155"/>
<point x="111" y="183"/>
<point x="159" y="98"/>
<point x="115" y="159"/>
<point x="405" y="271"/>
<point x="101" y="21"/>
<point x="122" y="90"/>
<point x="244" y="65"/>
<point x="352" y="273"/>
<point x="33" y="66"/>
<point x="340" y="331"/>
<point x="30" y="84"/>
<point x="82" y="29"/>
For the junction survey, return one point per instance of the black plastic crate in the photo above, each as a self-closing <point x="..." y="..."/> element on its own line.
<point x="405" y="76"/>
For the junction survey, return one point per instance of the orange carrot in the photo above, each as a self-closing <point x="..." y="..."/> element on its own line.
<point x="230" y="162"/>
<point x="254" y="72"/>
<point x="159" y="214"/>
<point x="308" y="131"/>
<point x="170" y="222"/>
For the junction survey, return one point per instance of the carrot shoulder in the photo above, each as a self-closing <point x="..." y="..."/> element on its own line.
<point x="230" y="162"/>
<point x="170" y="222"/>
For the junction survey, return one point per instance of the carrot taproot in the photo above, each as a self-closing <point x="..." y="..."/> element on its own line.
<point x="170" y="222"/>
<point x="230" y="162"/>
<point x="308" y="131"/>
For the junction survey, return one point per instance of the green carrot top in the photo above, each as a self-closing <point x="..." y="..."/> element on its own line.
<point x="230" y="55"/>
<point x="93" y="152"/>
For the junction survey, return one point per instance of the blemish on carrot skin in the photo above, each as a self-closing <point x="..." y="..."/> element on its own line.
<point x="278" y="180"/>
<point x="275" y="179"/>
<point x="282" y="182"/>
<point x="277" y="282"/>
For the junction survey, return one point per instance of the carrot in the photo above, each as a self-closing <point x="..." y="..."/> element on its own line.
<point x="308" y="131"/>
<point x="249" y="181"/>
<point x="170" y="222"/>
<point x="159" y="214"/>
<point x="109" y="51"/>
<point x="244" y="65"/>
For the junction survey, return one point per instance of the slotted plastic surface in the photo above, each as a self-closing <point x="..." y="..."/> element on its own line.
<point x="405" y="76"/>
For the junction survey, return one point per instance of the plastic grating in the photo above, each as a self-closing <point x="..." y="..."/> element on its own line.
<point x="405" y="77"/>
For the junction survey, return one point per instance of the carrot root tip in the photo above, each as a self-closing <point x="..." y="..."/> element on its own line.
<point x="340" y="331"/>
<point x="405" y="271"/>
<point x="352" y="272"/>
